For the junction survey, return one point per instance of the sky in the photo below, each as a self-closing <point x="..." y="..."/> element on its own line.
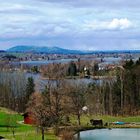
<point x="71" y="24"/>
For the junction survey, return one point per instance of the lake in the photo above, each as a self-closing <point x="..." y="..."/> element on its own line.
<point x="106" y="134"/>
<point x="45" y="62"/>
<point x="107" y="60"/>
<point x="42" y="82"/>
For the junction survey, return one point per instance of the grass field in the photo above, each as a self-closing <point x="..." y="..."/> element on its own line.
<point x="85" y="119"/>
<point x="22" y="131"/>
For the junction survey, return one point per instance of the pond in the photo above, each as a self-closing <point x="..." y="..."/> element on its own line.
<point x="106" y="134"/>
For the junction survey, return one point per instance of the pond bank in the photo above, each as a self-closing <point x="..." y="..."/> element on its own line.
<point x="76" y="129"/>
<point x="109" y="134"/>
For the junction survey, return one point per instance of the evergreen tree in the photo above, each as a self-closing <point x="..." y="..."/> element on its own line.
<point x="96" y="68"/>
<point x="30" y="87"/>
<point x="34" y="69"/>
<point x="72" y="70"/>
<point x="129" y="64"/>
<point x="138" y="62"/>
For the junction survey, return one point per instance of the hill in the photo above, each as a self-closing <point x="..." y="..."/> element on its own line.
<point x="58" y="50"/>
<point x="49" y="50"/>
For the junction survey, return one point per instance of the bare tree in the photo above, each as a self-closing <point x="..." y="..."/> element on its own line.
<point x="53" y="96"/>
<point x="75" y="99"/>
<point x="40" y="111"/>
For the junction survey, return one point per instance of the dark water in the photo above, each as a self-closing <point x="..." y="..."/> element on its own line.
<point x="106" y="134"/>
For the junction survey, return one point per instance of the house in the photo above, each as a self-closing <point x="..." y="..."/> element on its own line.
<point x="27" y="118"/>
<point x="86" y="72"/>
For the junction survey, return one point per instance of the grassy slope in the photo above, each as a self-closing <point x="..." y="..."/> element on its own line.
<point x="22" y="132"/>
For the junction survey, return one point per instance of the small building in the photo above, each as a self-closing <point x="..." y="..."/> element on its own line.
<point x="27" y="118"/>
<point x="86" y="72"/>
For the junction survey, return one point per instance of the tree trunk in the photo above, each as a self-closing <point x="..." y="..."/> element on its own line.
<point x="78" y="117"/>
<point x="42" y="133"/>
<point x="122" y="98"/>
<point x="56" y="130"/>
<point x="110" y="100"/>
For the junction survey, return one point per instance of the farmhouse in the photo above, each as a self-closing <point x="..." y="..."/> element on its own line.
<point x="27" y="118"/>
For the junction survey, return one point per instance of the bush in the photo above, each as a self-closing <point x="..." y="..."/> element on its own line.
<point x="67" y="135"/>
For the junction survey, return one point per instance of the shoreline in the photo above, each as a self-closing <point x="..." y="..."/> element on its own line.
<point x="77" y="129"/>
<point x="109" y="128"/>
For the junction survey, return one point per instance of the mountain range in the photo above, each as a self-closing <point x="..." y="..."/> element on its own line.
<point x="49" y="50"/>
<point x="58" y="50"/>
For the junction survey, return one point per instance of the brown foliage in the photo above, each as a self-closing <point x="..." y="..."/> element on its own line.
<point x="41" y="114"/>
<point x="67" y="135"/>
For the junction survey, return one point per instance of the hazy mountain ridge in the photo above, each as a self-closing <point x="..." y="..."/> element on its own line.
<point x="43" y="49"/>
<point x="58" y="50"/>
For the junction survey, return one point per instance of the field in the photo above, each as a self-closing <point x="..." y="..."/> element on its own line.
<point x="110" y="119"/>
<point x="85" y="120"/>
<point x="11" y="122"/>
<point x="12" y="127"/>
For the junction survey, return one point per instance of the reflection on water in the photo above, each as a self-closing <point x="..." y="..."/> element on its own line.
<point x="105" y="134"/>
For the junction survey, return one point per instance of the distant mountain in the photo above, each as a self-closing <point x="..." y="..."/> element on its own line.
<point x="58" y="50"/>
<point x="49" y="50"/>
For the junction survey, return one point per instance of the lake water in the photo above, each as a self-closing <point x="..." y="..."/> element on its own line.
<point x="106" y="134"/>
<point x="107" y="60"/>
<point x="45" y="62"/>
<point x="41" y="83"/>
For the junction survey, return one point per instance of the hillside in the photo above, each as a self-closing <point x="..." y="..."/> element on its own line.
<point x="50" y="50"/>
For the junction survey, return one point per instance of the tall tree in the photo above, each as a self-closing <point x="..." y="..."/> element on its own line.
<point x="75" y="99"/>
<point x="40" y="112"/>
<point x="53" y="97"/>
<point x="96" y="68"/>
<point x="72" y="70"/>
<point x="30" y="88"/>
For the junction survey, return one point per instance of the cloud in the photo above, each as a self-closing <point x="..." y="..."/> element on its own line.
<point x="97" y="3"/>
<point x="120" y="24"/>
<point x="16" y="8"/>
<point x="114" y="24"/>
<point x="80" y="24"/>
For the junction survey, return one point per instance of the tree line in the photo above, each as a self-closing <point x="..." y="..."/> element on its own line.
<point x="15" y="89"/>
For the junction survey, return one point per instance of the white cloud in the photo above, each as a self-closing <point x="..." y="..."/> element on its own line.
<point x="115" y="24"/>
<point x="120" y="24"/>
